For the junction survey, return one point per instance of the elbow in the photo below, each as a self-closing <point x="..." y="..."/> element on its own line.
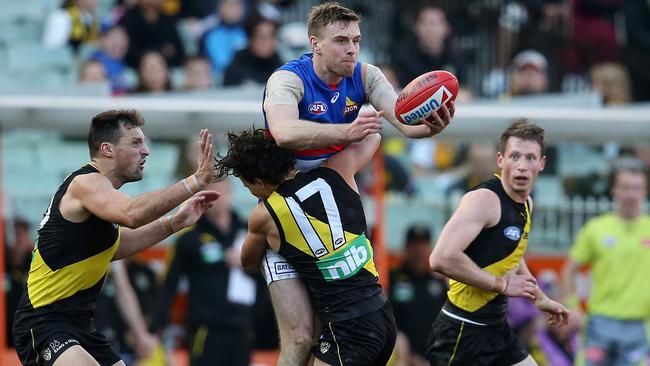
<point x="440" y="263"/>
<point x="282" y="139"/>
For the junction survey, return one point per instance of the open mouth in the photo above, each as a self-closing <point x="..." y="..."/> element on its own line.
<point x="521" y="179"/>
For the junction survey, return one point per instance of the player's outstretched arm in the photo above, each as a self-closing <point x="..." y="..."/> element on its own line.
<point x="349" y="161"/>
<point x="136" y="240"/>
<point x="254" y="245"/>
<point x="477" y="210"/>
<point x="95" y="194"/>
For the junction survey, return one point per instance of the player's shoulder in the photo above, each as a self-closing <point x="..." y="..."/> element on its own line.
<point x="89" y="180"/>
<point x="284" y="77"/>
<point x="482" y="204"/>
<point x="259" y="218"/>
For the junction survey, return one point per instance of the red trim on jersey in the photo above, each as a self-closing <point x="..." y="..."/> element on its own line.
<point x="318" y="152"/>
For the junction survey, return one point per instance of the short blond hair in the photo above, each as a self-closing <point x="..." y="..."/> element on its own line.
<point x="328" y="13"/>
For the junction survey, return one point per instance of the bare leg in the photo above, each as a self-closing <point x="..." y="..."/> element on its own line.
<point x="528" y="361"/>
<point x="75" y="356"/>
<point x="294" y="315"/>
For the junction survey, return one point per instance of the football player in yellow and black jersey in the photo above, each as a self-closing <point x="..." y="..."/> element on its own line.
<point x="481" y="250"/>
<point x="88" y="224"/>
<point x="316" y="221"/>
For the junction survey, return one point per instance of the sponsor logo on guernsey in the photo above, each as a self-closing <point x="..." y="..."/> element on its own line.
<point x="428" y="106"/>
<point x="350" y="106"/>
<point x="283" y="267"/>
<point x="347" y="261"/>
<point x="512" y="233"/>
<point x="335" y="97"/>
<point x="318" y="108"/>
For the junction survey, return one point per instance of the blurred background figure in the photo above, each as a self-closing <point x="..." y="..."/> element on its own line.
<point x="197" y="74"/>
<point x="149" y="29"/>
<point x="208" y="255"/>
<point x="18" y="256"/>
<point x="227" y="37"/>
<point x="617" y="247"/>
<point x="113" y="46"/>
<point x="429" y="48"/>
<point x="92" y="72"/>
<point x="255" y="63"/>
<point x="528" y="74"/>
<point x="74" y="24"/>
<point x="153" y="74"/>
<point x="480" y="166"/>
<point x="416" y="293"/>
<point x="612" y="81"/>
<point x="548" y="345"/>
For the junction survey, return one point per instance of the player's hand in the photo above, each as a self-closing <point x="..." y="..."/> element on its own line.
<point x="434" y="124"/>
<point x="190" y="210"/>
<point x="205" y="159"/>
<point x="558" y="314"/>
<point x="519" y="285"/>
<point x="366" y="123"/>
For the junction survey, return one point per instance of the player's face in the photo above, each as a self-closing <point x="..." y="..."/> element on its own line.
<point x="629" y="191"/>
<point x="338" y="47"/>
<point x="520" y="164"/>
<point x="131" y="152"/>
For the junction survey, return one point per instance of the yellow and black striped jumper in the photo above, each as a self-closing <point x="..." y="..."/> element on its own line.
<point x="322" y="229"/>
<point x="471" y="328"/>
<point x="67" y="272"/>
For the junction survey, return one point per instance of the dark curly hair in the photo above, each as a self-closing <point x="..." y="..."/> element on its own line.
<point x="254" y="154"/>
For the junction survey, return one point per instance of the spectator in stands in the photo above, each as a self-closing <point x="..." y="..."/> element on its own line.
<point x="221" y="296"/>
<point x="153" y="74"/>
<point x="113" y="45"/>
<point x="613" y="83"/>
<point x="528" y="73"/>
<point x="637" y="51"/>
<point x="255" y="63"/>
<point x="417" y="293"/>
<point x="430" y="49"/>
<point x="593" y="34"/>
<point x="92" y="72"/>
<point x="225" y="39"/>
<point x="74" y="24"/>
<point x="480" y="166"/>
<point x="18" y="255"/>
<point x="617" y="246"/>
<point x="198" y="74"/>
<point x="149" y="29"/>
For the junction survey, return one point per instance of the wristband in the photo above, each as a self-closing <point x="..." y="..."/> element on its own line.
<point x="166" y="223"/>
<point x="191" y="184"/>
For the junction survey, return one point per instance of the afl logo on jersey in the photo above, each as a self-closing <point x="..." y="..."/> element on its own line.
<point x="512" y="233"/>
<point x="318" y="108"/>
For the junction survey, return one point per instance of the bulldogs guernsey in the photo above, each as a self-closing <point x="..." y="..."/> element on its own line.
<point x="325" y="104"/>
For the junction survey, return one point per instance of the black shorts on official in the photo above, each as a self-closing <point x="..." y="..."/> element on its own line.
<point x="456" y="342"/>
<point x="368" y="340"/>
<point x="40" y="344"/>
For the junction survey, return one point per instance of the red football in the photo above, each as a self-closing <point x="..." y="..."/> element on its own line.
<point x="424" y="95"/>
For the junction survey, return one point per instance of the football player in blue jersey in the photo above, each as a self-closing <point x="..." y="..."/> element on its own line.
<point x="312" y="106"/>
